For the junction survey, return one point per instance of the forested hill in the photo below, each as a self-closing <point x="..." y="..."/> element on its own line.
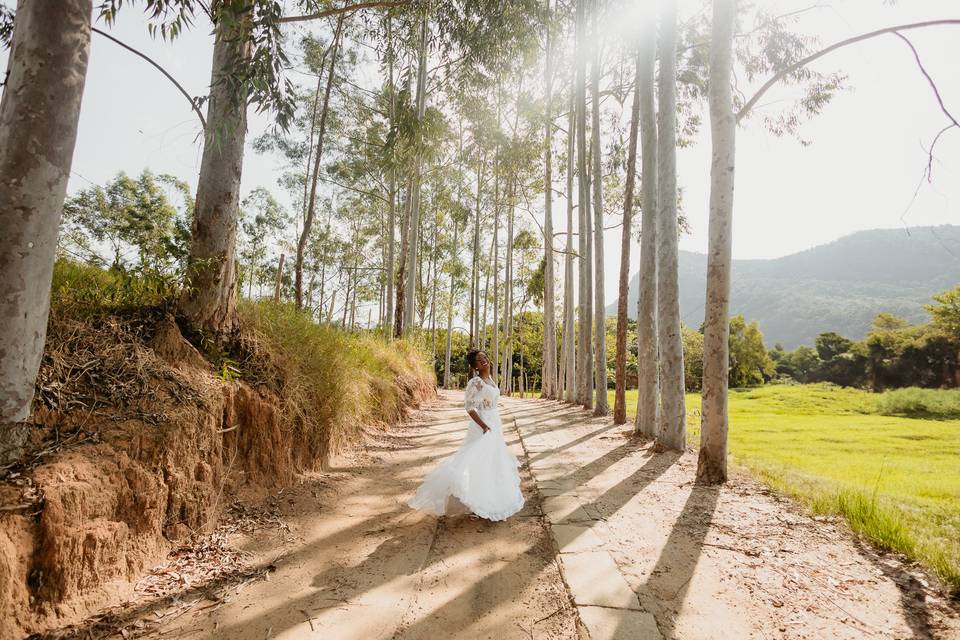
<point x="840" y="286"/>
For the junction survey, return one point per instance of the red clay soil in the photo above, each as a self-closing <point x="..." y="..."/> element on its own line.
<point x="156" y="445"/>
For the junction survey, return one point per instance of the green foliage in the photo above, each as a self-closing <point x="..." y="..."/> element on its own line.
<point x="946" y="312"/>
<point x="84" y="290"/>
<point x="913" y="402"/>
<point x="692" y="358"/>
<point x="750" y="364"/>
<point x="137" y="220"/>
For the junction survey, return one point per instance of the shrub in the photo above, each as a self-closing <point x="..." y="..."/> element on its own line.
<point x="943" y="404"/>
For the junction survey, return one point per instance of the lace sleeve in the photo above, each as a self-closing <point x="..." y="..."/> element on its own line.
<point x="472" y="400"/>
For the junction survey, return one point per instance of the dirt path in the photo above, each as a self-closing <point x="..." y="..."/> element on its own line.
<point x="648" y="554"/>
<point x="358" y="564"/>
<point x="615" y="542"/>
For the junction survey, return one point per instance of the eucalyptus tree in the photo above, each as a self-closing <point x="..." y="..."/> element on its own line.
<point x="585" y="368"/>
<point x="39" y="111"/>
<point x="647" y="334"/>
<point x="549" y="374"/>
<point x="620" y="377"/>
<point x="599" y="304"/>
<point x="672" y="431"/>
<point x="569" y="316"/>
<point x="712" y="462"/>
<point x="316" y="151"/>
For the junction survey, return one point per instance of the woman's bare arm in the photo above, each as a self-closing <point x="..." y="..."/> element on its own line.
<point x="476" y="418"/>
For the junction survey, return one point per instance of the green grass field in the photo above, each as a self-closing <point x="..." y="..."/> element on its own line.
<point x="895" y="479"/>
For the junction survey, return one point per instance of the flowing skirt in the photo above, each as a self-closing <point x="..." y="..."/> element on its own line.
<point x="482" y="474"/>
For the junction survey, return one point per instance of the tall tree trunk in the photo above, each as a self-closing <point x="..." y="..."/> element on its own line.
<point x="453" y="282"/>
<point x="599" y="311"/>
<point x="712" y="464"/>
<point x="475" y="257"/>
<point x="508" y="299"/>
<point x="626" y="241"/>
<point x="569" y="315"/>
<point x="585" y="367"/>
<point x="391" y="268"/>
<point x="39" y="111"/>
<point x="433" y="292"/>
<point x="209" y="300"/>
<point x="411" y="292"/>
<point x="549" y="375"/>
<point x="398" y="319"/>
<point x="318" y="156"/>
<point x="648" y="394"/>
<point x="672" y="432"/>
<point x="486" y="296"/>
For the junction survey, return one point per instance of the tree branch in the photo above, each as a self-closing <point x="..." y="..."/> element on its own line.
<point x="193" y="103"/>
<point x="837" y="45"/>
<point x="376" y="4"/>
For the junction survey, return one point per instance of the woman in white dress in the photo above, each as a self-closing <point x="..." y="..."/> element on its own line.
<point x="482" y="474"/>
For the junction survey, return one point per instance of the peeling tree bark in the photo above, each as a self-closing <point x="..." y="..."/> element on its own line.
<point x="209" y="300"/>
<point x="647" y="351"/>
<point x="39" y="111"/>
<point x="672" y="432"/>
<point x="712" y="463"/>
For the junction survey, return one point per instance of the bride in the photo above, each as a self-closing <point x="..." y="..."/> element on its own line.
<point x="482" y="474"/>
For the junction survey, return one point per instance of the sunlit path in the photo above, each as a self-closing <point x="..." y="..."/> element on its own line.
<point x="649" y="554"/>
<point x="364" y="566"/>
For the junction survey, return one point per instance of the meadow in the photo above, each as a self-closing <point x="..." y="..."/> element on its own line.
<point x="894" y="478"/>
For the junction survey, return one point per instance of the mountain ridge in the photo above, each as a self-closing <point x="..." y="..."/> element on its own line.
<point x="838" y="286"/>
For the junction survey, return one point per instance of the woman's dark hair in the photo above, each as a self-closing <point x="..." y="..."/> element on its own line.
<point x="472" y="358"/>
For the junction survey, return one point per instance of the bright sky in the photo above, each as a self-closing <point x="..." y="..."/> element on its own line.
<point x="860" y="172"/>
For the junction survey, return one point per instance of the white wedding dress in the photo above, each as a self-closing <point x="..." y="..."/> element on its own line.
<point x="482" y="474"/>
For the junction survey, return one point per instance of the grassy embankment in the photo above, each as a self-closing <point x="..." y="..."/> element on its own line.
<point x="889" y="463"/>
<point x="330" y="382"/>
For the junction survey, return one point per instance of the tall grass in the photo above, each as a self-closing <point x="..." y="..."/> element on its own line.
<point x="331" y="382"/>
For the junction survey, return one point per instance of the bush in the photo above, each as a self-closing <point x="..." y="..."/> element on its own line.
<point x="331" y="382"/>
<point x="943" y="404"/>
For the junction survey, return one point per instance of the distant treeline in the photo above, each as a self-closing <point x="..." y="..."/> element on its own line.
<point x="894" y="354"/>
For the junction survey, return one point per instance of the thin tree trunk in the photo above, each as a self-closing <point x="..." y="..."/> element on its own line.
<point x="453" y="282"/>
<point x="209" y="300"/>
<point x="390" y="267"/>
<point x="433" y="294"/>
<point x="569" y="315"/>
<point x="626" y="241"/>
<point x="278" y="280"/>
<point x="475" y="259"/>
<point x="486" y="297"/>
<point x="46" y="73"/>
<point x="647" y="352"/>
<point x="508" y="299"/>
<point x="672" y="432"/>
<point x="585" y="361"/>
<point x="411" y="292"/>
<point x="712" y="464"/>
<point x="402" y="264"/>
<point x="548" y="386"/>
<point x="599" y="311"/>
<point x="312" y="206"/>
